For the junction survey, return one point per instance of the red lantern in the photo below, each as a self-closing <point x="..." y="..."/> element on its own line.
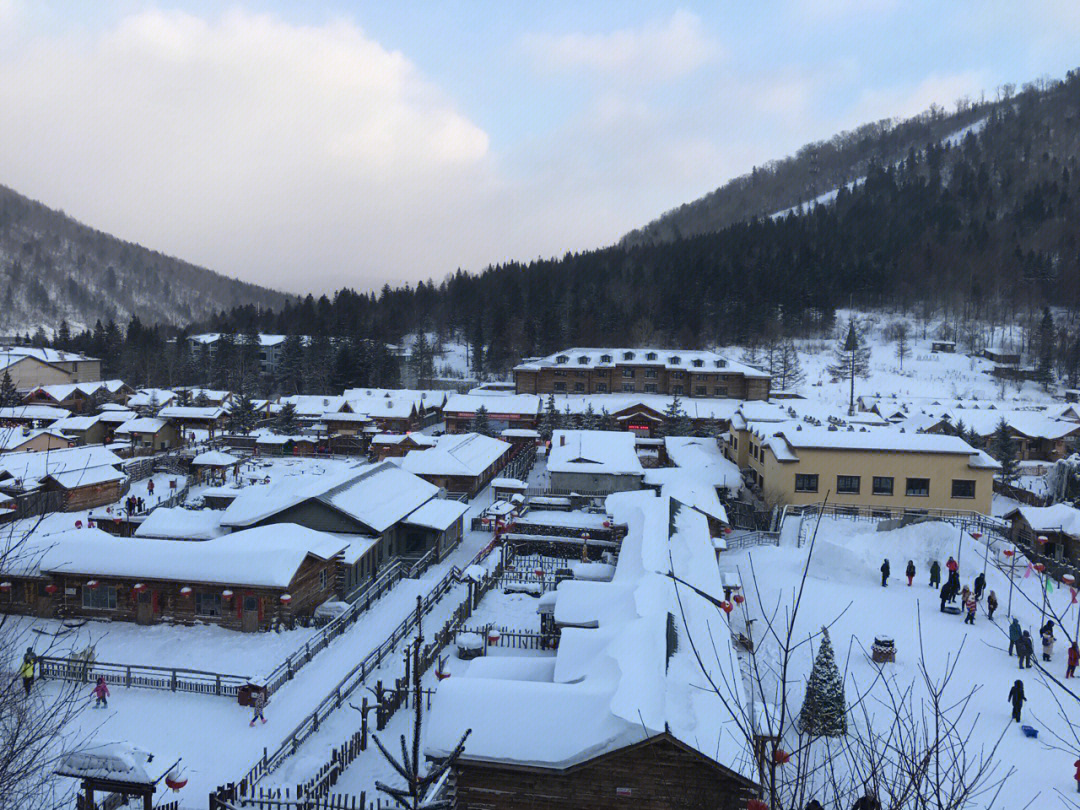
<point x="138" y="587"/>
<point x="51" y="589"/>
<point x="5" y="586"/>
<point x="539" y="573"/>
<point x="226" y="594"/>
<point x="727" y="530"/>
<point x="1039" y="567"/>
<point x="976" y="535"/>
<point x="285" y="598"/>
<point x="1041" y="539"/>
<point x="493" y="636"/>
<point x="756" y="804"/>
<point x="739" y="598"/>
<point x="781" y="757"/>
<point x="175" y="780"/>
<point x="1068" y="579"/>
<point x="185" y="591"/>
<point x="93" y="583"/>
<point x="727" y="607"/>
<point x="1008" y="552"/>
<point x="607" y="524"/>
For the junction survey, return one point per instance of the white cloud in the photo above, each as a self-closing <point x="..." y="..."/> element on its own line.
<point x="287" y="154"/>
<point x="654" y="52"/>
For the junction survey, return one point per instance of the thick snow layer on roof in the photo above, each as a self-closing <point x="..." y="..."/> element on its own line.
<point x="182" y="524"/>
<point x="376" y="495"/>
<point x="117" y="762"/>
<point x="92" y="476"/>
<point x="537" y="517"/>
<point x="14" y="437"/>
<point x="215" y="458"/>
<point x="141" y="424"/>
<point x="1059" y="517"/>
<point x="519" y="404"/>
<point x="437" y="514"/>
<point x="594" y="451"/>
<point x="680" y="359"/>
<point x="266" y="556"/>
<point x="467" y="454"/>
<point x="117" y="417"/>
<point x="508" y="483"/>
<point x="314" y="405"/>
<point x="145" y="397"/>
<point x="182" y="412"/>
<point x="620" y="683"/>
<point x="44" y="354"/>
<point x="397" y="438"/>
<point x="74" y="459"/>
<point x="76" y="422"/>
<point x="45" y="413"/>
<point x="695" y="407"/>
<point x="880" y="440"/>
<point x="697" y="492"/>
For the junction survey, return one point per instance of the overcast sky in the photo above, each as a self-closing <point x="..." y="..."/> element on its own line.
<point x="308" y="146"/>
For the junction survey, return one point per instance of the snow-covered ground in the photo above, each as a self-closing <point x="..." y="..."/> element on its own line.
<point x="843" y="591"/>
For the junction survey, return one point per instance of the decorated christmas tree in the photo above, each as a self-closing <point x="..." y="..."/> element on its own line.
<point x="824" y="709"/>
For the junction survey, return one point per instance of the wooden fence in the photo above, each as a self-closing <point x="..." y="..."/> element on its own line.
<point x="173" y="679"/>
<point x="513" y="639"/>
<point x="967" y="520"/>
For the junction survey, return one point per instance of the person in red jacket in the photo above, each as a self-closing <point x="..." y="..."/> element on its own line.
<point x="952" y="565"/>
<point x="970" y="603"/>
<point x="101" y="692"/>
<point x="1074" y="659"/>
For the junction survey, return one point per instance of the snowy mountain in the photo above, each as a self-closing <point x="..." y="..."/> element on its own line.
<point x="54" y="268"/>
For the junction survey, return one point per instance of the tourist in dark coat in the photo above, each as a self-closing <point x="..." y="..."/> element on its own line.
<point x="935" y="574"/>
<point x="954" y="585"/>
<point x="991" y="605"/>
<point x="1016" y="697"/>
<point x="1015" y="634"/>
<point x="910" y="572"/>
<point x="1025" y="648"/>
<point x="945" y="593"/>
<point x="885" y="573"/>
<point x="980" y="585"/>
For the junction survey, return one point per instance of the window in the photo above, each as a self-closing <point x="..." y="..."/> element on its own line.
<point x="735" y="442"/>
<point x="963" y="488"/>
<point x="560" y="386"/>
<point x="100" y="598"/>
<point x="601" y="373"/>
<point x="699" y="363"/>
<point x="674" y="360"/>
<point x="678" y="375"/>
<point x="583" y="360"/>
<point x="918" y="487"/>
<point x="720" y="391"/>
<point x="605" y="358"/>
<point x="322" y="580"/>
<point x="720" y="363"/>
<point x="650" y="374"/>
<point x="581" y="374"/>
<point x="601" y="388"/>
<point x="627" y="386"/>
<point x="628" y="356"/>
<point x="562" y="358"/>
<point x="650" y="356"/>
<point x="677" y="389"/>
<point x="207" y="604"/>
<point x="560" y="373"/>
<point x="628" y="372"/>
<point x="699" y="390"/>
<point x="650" y="388"/>
<point x="805" y="483"/>
<point x="883" y="485"/>
<point x="579" y="387"/>
<point x="847" y="484"/>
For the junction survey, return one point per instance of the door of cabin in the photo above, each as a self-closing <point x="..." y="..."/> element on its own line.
<point x="249" y="620"/>
<point x="144" y="608"/>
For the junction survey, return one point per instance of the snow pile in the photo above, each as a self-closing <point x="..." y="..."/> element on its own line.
<point x="117" y="762"/>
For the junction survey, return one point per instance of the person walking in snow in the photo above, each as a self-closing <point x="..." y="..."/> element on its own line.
<point x="101" y="692"/>
<point x="910" y="571"/>
<point x="150" y="487"/>
<point x="1048" y="645"/>
<point x="258" y="703"/>
<point x="953" y="566"/>
<point x="1074" y="659"/>
<point x="1025" y="648"/>
<point x="27" y="671"/>
<point x="945" y="593"/>
<point x="991" y="605"/>
<point x="1047" y="628"/>
<point x="965" y="595"/>
<point x="935" y="574"/>
<point x="980" y="585"/>
<point x="1016" y="697"/>
<point x="1015" y="637"/>
<point x="969" y="605"/>
<point x="954" y="585"/>
<point x="885" y="573"/>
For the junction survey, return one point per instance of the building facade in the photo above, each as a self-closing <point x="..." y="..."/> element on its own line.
<point x="648" y="371"/>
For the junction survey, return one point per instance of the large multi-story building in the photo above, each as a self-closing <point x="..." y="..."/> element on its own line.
<point x="30" y="367"/>
<point x="270" y="349"/>
<point x="645" y="371"/>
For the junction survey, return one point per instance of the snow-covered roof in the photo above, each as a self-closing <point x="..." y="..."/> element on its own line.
<point x="361" y="398"/>
<point x="632" y="677"/>
<point x="117" y="762"/>
<point x="467" y="454"/>
<point x="73" y="459"/>
<point x="62" y="391"/>
<point x="679" y="359"/>
<point x="518" y="404"/>
<point x="266" y="556"/>
<point x="520" y="433"/>
<point x="214" y="458"/>
<point x="45" y="413"/>
<point x="437" y="514"/>
<point x="177" y="523"/>
<point x="611" y="452"/>
<point x="509" y="483"/>
<point x="145" y="397"/>
<point x="1057" y="518"/>
<point x="892" y="441"/>
<point x="73" y="479"/>
<point x="376" y="495"/>
<point x="12" y="438"/>
<point x="202" y="413"/>
<point x="695" y="407"/>
<point x="45" y="355"/>
<point x="117" y="417"/>
<point x="314" y="405"/>
<point x="76" y="422"/>
<point x="398" y="438"/>
<point x="141" y="424"/>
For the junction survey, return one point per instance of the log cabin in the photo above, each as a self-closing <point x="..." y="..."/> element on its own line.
<point x="459" y="463"/>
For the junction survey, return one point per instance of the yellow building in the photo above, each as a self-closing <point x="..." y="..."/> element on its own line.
<point x="871" y="468"/>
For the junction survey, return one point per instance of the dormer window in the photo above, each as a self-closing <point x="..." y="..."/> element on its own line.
<point x="721" y="363"/>
<point x="582" y="360"/>
<point x="699" y="363"/>
<point x="674" y="360"/>
<point x="628" y="356"/>
<point x="650" y="356"/>
<point x="562" y="358"/>
<point x="605" y="358"/>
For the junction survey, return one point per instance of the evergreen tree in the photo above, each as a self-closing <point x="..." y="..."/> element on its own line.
<point x="676" y="422"/>
<point x="824" y="709"/>
<point x="1003" y="449"/>
<point x="607" y="421"/>
<point x="423" y="359"/>
<point x="291" y="366"/>
<point x="960" y="429"/>
<point x="286" y="422"/>
<point x="1044" y="349"/>
<point x="9" y="395"/>
<point x="903" y="343"/>
<point x="549" y="419"/>
<point x="479" y="423"/>
<point x="63" y="336"/>
<point x="243" y="416"/>
<point x="589" y="419"/>
<point x="248" y="367"/>
<point x="851" y="359"/>
<point x="787" y="370"/>
<point x="183" y="397"/>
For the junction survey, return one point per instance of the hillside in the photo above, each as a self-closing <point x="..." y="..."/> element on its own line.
<point x="54" y="268"/>
<point x="816" y="170"/>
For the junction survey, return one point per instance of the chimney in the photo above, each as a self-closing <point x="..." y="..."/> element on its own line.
<point x="562" y="440"/>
